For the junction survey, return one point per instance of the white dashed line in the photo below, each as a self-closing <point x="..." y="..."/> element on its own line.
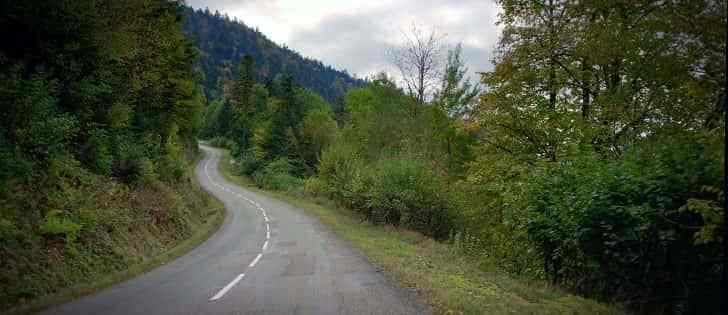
<point x="252" y="264"/>
<point x="227" y="288"/>
<point x="255" y="261"/>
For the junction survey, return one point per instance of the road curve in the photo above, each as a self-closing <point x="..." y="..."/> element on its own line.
<point x="267" y="258"/>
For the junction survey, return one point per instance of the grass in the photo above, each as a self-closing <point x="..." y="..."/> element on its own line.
<point x="158" y="248"/>
<point x="450" y="282"/>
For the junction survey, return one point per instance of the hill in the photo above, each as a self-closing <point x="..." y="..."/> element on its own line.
<point x="223" y="42"/>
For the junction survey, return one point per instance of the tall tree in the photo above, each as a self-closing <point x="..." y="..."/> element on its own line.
<point x="457" y="93"/>
<point x="419" y="61"/>
<point x="243" y="104"/>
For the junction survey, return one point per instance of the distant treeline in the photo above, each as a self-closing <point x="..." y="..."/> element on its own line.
<point x="223" y="42"/>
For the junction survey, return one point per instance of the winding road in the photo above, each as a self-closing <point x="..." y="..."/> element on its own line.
<point x="268" y="257"/>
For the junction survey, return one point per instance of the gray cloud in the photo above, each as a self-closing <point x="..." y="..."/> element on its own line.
<point x="353" y="42"/>
<point x="357" y="41"/>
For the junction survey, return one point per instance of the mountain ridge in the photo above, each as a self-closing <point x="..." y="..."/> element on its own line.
<point x="223" y="41"/>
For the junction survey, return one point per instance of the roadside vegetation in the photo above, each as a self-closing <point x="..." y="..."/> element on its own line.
<point x="590" y="157"/>
<point x="450" y="282"/>
<point x="100" y="113"/>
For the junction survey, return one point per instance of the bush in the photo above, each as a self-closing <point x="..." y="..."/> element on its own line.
<point x="8" y="231"/>
<point x="627" y="228"/>
<point x="98" y="154"/>
<point x="341" y="170"/>
<point x="277" y="175"/>
<point x="222" y="142"/>
<point x="57" y="224"/>
<point x="247" y="163"/>
<point x="406" y="192"/>
<point x="313" y="186"/>
<point x="395" y="191"/>
<point x="172" y="164"/>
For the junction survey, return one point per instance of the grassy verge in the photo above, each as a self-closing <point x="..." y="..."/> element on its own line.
<point x="450" y="282"/>
<point x="204" y="221"/>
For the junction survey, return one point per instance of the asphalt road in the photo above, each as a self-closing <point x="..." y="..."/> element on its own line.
<point x="267" y="258"/>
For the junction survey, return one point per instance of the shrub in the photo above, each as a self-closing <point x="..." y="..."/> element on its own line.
<point x="57" y="224"/>
<point x="222" y="142"/>
<point x="406" y="192"/>
<point x="172" y="165"/>
<point x="313" y="186"/>
<point x="98" y="155"/>
<point x="144" y="171"/>
<point x="247" y="163"/>
<point x="341" y="171"/>
<point x="8" y="231"/>
<point x="629" y="229"/>
<point x="277" y="175"/>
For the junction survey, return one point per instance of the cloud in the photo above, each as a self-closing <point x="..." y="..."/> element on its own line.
<point x="354" y="35"/>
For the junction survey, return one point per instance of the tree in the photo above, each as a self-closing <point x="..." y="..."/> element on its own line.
<point x="597" y="101"/>
<point x="457" y="93"/>
<point x="243" y="104"/>
<point x="418" y="61"/>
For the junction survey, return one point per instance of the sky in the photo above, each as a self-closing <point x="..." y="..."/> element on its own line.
<point x="355" y="35"/>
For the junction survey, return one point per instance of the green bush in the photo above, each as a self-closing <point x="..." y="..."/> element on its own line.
<point x="56" y="223"/>
<point x="344" y="175"/>
<point x="277" y="175"/>
<point x="405" y="192"/>
<point x="98" y="155"/>
<point x="8" y="231"/>
<point x="222" y="142"/>
<point x="172" y="164"/>
<point x="313" y="186"/>
<point x="247" y="163"/>
<point x="629" y="228"/>
<point x="397" y="191"/>
<point x="144" y="171"/>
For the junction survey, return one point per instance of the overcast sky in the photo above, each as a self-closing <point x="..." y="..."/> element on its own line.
<point x="354" y="35"/>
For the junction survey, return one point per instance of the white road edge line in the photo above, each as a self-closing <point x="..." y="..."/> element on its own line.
<point x="227" y="288"/>
<point x="255" y="261"/>
<point x="265" y="245"/>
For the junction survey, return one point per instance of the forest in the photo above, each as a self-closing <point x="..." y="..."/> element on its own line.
<point x="100" y="113"/>
<point x="222" y="42"/>
<point x="590" y="156"/>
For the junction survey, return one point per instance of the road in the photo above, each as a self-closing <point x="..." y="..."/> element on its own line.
<point x="267" y="258"/>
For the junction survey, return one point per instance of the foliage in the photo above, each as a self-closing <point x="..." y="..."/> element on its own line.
<point x="57" y="224"/>
<point x="602" y="121"/>
<point x="277" y="175"/>
<point x="457" y="93"/>
<point x="313" y="186"/>
<point x="404" y="192"/>
<point x="608" y="226"/>
<point x="389" y="164"/>
<point x="100" y="113"/>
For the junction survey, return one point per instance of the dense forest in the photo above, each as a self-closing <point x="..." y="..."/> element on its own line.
<point x="592" y="157"/>
<point x="100" y="114"/>
<point x="222" y="42"/>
